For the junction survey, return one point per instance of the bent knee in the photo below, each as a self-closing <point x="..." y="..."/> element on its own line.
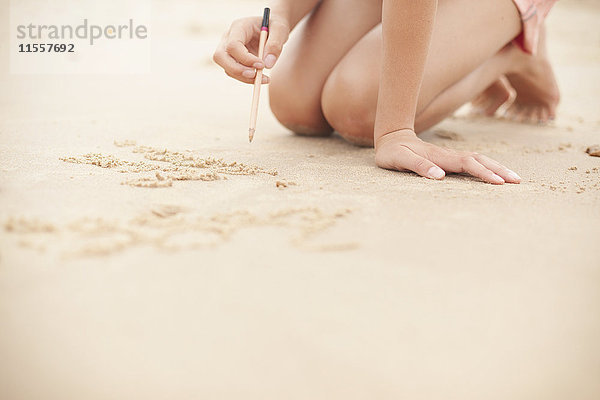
<point x="349" y="108"/>
<point x="296" y="108"/>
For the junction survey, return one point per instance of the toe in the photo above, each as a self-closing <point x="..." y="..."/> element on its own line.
<point x="534" y="115"/>
<point x="522" y="114"/>
<point x="551" y="113"/>
<point x="544" y="115"/>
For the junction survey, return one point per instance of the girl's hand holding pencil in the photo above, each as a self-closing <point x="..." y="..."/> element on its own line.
<point x="237" y="52"/>
<point x="248" y="47"/>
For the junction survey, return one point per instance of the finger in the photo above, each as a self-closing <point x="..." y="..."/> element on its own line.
<point x="407" y="159"/>
<point x="233" y="68"/>
<point x="251" y="74"/>
<point x="278" y="35"/>
<point x="471" y="166"/>
<point x="452" y="161"/>
<point x="265" y="79"/>
<point x="236" y="49"/>
<point x="499" y="169"/>
<point x="230" y="65"/>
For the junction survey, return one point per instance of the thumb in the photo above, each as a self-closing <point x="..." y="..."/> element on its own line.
<point x="278" y="35"/>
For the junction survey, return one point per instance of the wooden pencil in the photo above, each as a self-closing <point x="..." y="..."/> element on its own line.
<point x="264" y="33"/>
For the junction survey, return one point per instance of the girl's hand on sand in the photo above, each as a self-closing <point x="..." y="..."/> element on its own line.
<point x="402" y="150"/>
<point x="238" y="49"/>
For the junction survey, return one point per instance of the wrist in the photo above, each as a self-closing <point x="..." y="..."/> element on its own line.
<point x="292" y="11"/>
<point x="281" y="13"/>
<point x="382" y="138"/>
<point x="280" y="19"/>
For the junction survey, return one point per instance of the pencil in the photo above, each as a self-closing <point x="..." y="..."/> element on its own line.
<point x="264" y="33"/>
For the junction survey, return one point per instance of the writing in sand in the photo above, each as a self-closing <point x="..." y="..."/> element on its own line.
<point x="171" y="228"/>
<point x="166" y="166"/>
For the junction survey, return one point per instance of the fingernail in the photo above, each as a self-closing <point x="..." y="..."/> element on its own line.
<point x="435" y="173"/>
<point x="248" y="73"/>
<point x="514" y="175"/>
<point x="497" y="179"/>
<point x="270" y="60"/>
<point x="258" y="65"/>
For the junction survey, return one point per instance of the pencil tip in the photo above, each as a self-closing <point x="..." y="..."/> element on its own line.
<point x="251" y="134"/>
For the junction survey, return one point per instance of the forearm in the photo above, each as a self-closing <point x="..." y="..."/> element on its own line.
<point x="407" y="26"/>
<point x="291" y="11"/>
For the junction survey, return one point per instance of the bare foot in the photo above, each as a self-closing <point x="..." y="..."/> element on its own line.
<point x="492" y="98"/>
<point x="533" y="81"/>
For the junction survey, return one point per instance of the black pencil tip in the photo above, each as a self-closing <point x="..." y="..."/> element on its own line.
<point x="265" y="22"/>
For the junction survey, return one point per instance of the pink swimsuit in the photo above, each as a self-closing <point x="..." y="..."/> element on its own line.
<point x="533" y="13"/>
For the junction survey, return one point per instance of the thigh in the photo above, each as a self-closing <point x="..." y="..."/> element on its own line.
<point x="466" y="33"/>
<point x="315" y="47"/>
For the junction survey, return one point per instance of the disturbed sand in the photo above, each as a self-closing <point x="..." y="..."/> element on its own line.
<point x="148" y="251"/>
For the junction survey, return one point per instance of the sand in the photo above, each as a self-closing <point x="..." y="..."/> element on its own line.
<point x="148" y="251"/>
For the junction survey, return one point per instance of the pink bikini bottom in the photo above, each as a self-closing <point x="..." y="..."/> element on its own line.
<point x="533" y="13"/>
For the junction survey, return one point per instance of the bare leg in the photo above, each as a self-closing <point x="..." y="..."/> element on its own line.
<point x="455" y="96"/>
<point x="456" y="69"/>
<point x="314" y="49"/>
<point x="536" y="93"/>
<point x="508" y="59"/>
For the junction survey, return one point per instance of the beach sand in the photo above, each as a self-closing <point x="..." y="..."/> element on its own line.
<point x="147" y="250"/>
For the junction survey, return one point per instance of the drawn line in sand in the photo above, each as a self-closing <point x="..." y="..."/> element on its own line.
<point x="167" y="165"/>
<point x="172" y="228"/>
